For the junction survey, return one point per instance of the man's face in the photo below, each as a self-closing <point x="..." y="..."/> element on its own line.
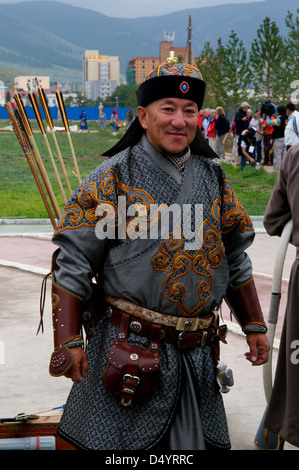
<point x="170" y="124"/>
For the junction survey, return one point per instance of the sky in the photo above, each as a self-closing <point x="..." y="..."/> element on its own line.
<point x="140" y="8"/>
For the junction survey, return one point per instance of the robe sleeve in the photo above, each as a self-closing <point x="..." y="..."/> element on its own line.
<point x="278" y="211"/>
<point x="237" y="235"/>
<point x="81" y="252"/>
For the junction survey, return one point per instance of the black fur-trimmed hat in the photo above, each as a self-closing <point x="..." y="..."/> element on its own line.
<point x="172" y="81"/>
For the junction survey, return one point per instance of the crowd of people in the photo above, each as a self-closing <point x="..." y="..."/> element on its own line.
<point x="259" y="138"/>
<point x="214" y="126"/>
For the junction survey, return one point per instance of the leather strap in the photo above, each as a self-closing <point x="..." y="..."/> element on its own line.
<point x="180" y="323"/>
<point x="168" y="334"/>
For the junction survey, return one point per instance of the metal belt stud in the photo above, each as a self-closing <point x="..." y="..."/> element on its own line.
<point x="135" y="326"/>
<point x="190" y="324"/>
<point x="109" y="312"/>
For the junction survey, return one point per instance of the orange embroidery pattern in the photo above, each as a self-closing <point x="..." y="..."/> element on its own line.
<point x="177" y="263"/>
<point x="89" y="208"/>
<point x="236" y="215"/>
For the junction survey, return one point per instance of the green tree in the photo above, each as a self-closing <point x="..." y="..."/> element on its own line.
<point x="266" y="62"/>
<point x="292" y="55"/>
<point x="235" y="71"/>
<point x="210" y="66"/>
<point x="123" y="96"/>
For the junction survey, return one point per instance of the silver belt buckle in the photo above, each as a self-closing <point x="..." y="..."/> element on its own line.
<point x="187" y="324"/>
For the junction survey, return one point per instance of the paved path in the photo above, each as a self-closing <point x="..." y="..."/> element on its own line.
<point x="26" y="385"/>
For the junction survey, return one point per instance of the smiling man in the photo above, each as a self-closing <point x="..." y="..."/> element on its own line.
<point x="148" y="378"/>
<point x="170" y="124"/>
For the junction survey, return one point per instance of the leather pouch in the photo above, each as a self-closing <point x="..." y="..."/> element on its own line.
<point x="132" y="371"/>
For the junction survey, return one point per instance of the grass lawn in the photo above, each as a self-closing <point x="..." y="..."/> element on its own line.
<point x="19" y="195"/>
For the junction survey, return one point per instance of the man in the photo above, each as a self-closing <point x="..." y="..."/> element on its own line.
<point x="292" y="128"/>
<point x="200" y="117"/>
<point x="148" y="377"/>
<point x="246" y="147"/>
<point x="278" y="123"/>
<point x="103" y="119"/>
<point x="241" y="118"/>
<point x="211" y="130"/>
<point x="267" y="112"/>
<point x="241" y="123"/>
<point x="205" y="123"/>
<point x="282" y="415"/>
<point x="222" y="128"/>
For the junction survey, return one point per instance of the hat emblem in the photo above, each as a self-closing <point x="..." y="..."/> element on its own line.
<point x="184" y="87"/>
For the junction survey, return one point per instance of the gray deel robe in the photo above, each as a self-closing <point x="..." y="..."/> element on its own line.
<point x="283" y="412"/>
<point x="168" y="275"/>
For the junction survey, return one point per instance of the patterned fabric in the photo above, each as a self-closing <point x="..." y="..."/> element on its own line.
<point x="160" y="274"/>
<point x="179" y="162"/>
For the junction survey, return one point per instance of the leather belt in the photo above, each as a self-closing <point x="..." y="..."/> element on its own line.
<point x="179" y="323"/>
<point x="184" y="339"/>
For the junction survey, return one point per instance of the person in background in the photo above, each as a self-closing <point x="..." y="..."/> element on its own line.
<point x="200" y="117"/>
<point x="113" y="121"/>
<point x="130" y="117"/>
<point x="241" y="122"/>
<point x="205" y="123"/>
<point x="249" y="116"/>
<point x="257" y="123"/>
<point x="292" y="128"/>
<point x="282" y="416"/>
<point x="211" y="130"/>
<point x="278" y="140"/>
<point x="241" y="118"/>
<point x="267" y="112"/>
<point x="246" y="148"/>
<point x="103" y="119"/>
<point x="83" y="120"/>
<point x="222" y="127"/>
<point x="232" y="132"/>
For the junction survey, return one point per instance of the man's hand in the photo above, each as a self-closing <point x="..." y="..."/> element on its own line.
<point x="258" y="348"/>
<point x="78" y="371"/>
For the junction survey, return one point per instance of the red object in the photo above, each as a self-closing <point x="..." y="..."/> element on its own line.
<point x="200" y="118"/>
<point x="212" y="128"/>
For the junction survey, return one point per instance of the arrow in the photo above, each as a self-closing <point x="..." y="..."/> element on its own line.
<point x="44" y="103"/>
<point x="27" y="130"/>
<point x="15" y="122"/>
<point x="35" y="107"/>
<point x="66" y="125"/>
